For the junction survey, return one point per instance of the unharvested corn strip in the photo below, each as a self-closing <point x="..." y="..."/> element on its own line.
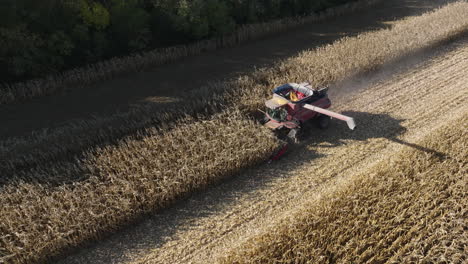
<point x="115" y="185"/>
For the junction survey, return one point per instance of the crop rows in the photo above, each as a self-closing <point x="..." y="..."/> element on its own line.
<point x="116" y="184"/>
<point x="411" y="208"/>
<point x="322" y="66"/>
<point x="137" y="62"/>
<point x="64" y="203"/>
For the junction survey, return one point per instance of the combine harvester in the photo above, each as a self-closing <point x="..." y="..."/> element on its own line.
<point x="295" y="104"/>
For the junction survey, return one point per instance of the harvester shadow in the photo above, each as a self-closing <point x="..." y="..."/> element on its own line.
<point x="438" y="154"/>
<point x="153" y="230"/>
<point x="369" y="126"/>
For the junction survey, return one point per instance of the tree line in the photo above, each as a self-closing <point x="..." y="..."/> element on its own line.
<point x="38" y="38"/>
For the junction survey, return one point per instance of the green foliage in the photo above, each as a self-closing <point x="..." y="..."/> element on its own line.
<point x="94" y="15"/>
<point x="218" y="17"/>
<point x="129" y="25"/>
<point x="20" y="52"/>
<point x="58" y="47"/>
<point x="47" y="36"/>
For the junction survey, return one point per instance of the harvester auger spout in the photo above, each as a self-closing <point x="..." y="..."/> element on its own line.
<point x="347" y="119"/>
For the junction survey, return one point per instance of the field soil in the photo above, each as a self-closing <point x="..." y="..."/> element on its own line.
<point x="163" y="85"/>
<point x="394" y="108"/>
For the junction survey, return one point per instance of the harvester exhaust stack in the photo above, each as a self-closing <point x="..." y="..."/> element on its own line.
<point x="349" y="120"/>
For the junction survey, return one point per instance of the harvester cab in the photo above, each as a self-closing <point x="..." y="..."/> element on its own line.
<point x="292" y="105"/>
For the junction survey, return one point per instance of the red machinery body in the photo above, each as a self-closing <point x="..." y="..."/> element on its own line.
<point x="297" y="114"/>
<point x="295" y="104"/>
<point x="285" y="110"/>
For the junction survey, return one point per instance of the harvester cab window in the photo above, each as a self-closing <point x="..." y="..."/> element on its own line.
<point x="279" y="114"/>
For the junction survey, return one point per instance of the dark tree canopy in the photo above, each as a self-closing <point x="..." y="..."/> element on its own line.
<point x="48" y="36"/>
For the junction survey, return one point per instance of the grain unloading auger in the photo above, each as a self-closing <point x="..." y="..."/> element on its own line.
<point x="293" y="105"/>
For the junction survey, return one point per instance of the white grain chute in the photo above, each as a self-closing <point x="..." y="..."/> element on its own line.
<point x="349" y="120"/>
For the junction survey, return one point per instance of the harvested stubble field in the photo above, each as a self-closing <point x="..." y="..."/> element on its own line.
<point x="65" y="203"/>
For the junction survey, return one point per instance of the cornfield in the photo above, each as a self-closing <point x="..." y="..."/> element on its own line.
<point x="75" y="201"/>
<point x="409" y="101"/>
<point x="62" y="195"/>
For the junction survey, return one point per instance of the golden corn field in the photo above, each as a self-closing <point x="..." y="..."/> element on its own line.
<point x="391" y="191"/>
<point x="113" y="185"/>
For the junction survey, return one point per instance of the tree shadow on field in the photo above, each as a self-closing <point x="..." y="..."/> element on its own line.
<point x="249" y="185"/>
<point x="124" y="93"/>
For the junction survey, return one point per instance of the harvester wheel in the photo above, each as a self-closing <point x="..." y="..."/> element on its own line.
<point x="323" y="121"/>
<point x="294" y="134"/>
